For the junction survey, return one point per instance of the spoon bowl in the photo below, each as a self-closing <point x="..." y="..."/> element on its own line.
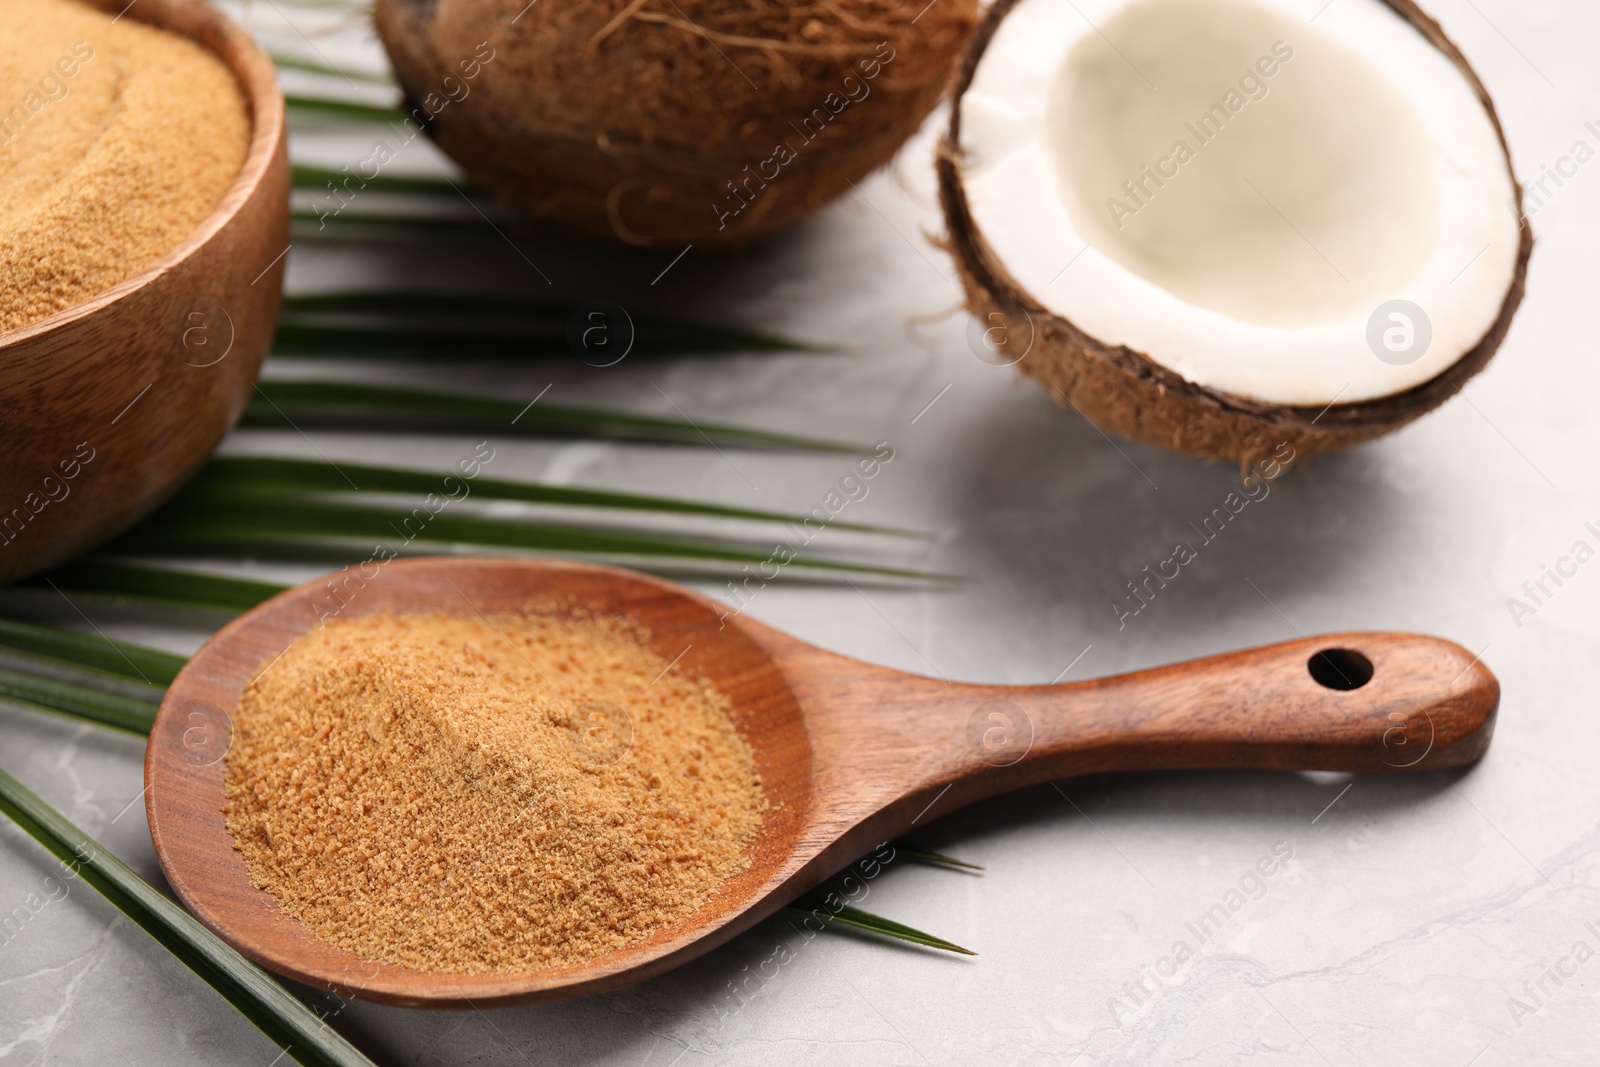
<point x="850" y="754"/>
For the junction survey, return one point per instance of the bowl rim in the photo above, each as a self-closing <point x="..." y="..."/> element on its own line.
<point x="257" y="78"/>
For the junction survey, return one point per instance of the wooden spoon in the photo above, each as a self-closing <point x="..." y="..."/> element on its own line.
<point x="850" y="754"/>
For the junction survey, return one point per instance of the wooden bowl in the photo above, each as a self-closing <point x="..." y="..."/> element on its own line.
<point x="106" y="408"/>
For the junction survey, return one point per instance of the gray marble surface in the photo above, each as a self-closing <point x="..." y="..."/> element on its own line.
<point x="1413" y="915"/>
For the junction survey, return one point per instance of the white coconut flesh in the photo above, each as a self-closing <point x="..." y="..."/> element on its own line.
<point x="1234" y="191"/>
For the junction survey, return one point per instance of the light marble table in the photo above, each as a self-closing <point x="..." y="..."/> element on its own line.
<point x="1414" y="914"/>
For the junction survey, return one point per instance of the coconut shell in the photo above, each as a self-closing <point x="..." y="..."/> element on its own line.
<point x="671" y="122"/>
<point x="1127" y="393"/>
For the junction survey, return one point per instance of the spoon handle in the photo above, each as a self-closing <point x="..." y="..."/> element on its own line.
<point x="1341" y="702"/>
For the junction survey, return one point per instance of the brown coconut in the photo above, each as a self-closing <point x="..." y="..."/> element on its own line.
<point x="670" y="122"/>
<point x="1126" y="392"/>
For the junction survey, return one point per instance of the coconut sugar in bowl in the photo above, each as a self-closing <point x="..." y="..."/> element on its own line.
<point x="142" y="286"/>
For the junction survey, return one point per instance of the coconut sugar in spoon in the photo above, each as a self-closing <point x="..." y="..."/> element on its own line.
<point x="849" y="754"/>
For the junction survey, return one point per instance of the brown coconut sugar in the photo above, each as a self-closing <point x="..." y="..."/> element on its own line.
<point x="489" y="793"/>
<point x="117" y="140"/>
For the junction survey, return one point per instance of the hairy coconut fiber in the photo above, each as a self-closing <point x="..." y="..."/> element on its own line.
<point x="1127" y="393"/>
<point x="668" y="122"/>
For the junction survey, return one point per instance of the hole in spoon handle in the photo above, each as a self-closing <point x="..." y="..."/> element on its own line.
<point x="1343" y="669"/>
<point x="1343" y="702"/>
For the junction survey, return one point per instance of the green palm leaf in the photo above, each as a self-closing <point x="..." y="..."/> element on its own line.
<point x="346" y="110"/>
<point x="354" y="405"/>
<point x="299" y="336"/>
<point x="368" y="225"/>
<point x="318" y="178"/>
<point x="108" y="709"/>
<point x="100" y="653"/>
<point x="261" y="523"/>
<point x="293" y="1026"/>
<point x="937" y="859"/>
<point x="59" y="670"/>
<point x="441" y="323"/>
<point x="816" y="904"/>
<point x="277" y="476"/>
<point x="163" y="585"/>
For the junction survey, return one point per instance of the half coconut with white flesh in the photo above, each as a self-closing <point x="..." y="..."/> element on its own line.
<point x="1227" y="226"/>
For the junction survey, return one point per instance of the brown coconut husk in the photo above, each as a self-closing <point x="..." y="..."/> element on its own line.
<point x="628" y="119"/>
<point x="1125" y="392"/>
